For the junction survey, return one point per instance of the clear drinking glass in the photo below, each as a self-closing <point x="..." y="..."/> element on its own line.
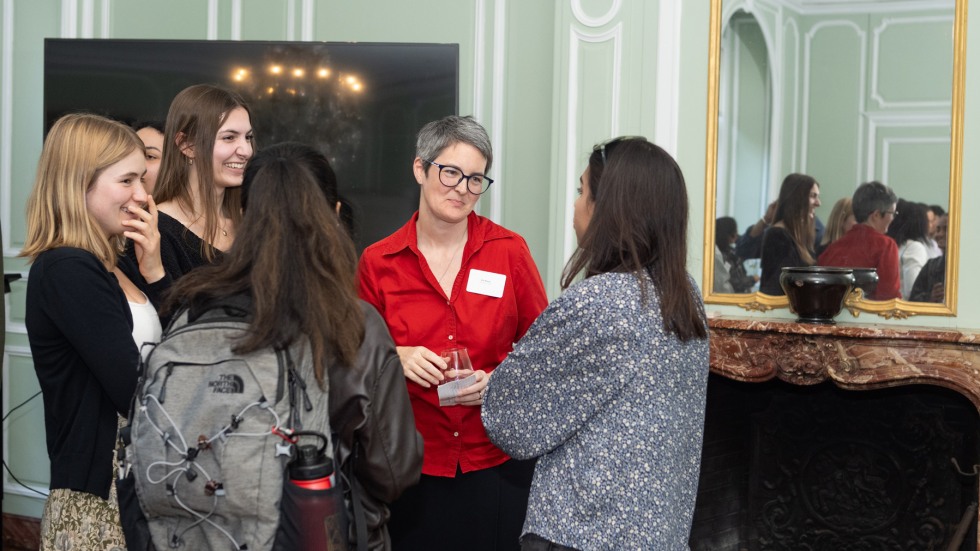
<point x="458" y="364"/>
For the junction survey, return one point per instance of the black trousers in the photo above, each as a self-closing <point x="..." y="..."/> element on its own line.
<point x="479" y="511"/>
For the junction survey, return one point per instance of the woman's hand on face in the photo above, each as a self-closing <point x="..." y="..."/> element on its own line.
<point x="473" y="394"/>
<point x="146" y="240"/>
<point x="421" y="365"/>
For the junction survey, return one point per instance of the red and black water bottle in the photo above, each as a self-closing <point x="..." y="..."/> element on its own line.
<point x="314" y="517"/>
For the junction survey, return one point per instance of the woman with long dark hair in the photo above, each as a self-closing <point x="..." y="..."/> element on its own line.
<point x="294" y="263"/>
<point x="607" y="388"/>
<point x="789" y="241"/>
<point x="207" y="143"/>
<point x="910" y="230"/>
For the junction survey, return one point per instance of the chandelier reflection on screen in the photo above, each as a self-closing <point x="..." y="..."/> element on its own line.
<point x="296" y="81"/>
<point x="296" y="94"/>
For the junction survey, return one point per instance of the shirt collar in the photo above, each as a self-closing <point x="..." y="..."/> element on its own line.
<point x="479" y="231"/>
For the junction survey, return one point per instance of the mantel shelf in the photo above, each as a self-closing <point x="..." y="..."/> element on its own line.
<point x="854" y="356"/>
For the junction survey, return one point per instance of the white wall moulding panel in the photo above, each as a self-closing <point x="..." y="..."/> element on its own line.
<point x="585" y="17"/>
<point x="30" y="463"/>
<point x="489" y="59"/>
<point x="6" y="117"/>
<point x="901" y="43"/>
<point x="823" y="77"/>
<point x="595" y="66"/>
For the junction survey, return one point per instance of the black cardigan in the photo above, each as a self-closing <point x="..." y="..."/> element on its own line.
<point x="80" y="330"/>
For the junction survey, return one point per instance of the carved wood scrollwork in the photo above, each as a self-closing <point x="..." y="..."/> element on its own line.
<point x="854" y="358"/>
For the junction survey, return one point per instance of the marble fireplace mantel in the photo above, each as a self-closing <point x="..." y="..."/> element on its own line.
<point x="854" y="356"/>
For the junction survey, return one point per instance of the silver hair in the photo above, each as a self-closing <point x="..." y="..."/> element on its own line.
<point x="438" y="135"/>
<point x="871" y="197"/>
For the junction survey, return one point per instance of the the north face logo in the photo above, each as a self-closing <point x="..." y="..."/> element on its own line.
<point x="227" y="384"/>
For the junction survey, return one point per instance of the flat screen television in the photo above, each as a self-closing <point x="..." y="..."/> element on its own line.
<point x="361" y="104"/>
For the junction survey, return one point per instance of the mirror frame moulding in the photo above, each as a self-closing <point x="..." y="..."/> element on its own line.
<point x="855" y="302"/>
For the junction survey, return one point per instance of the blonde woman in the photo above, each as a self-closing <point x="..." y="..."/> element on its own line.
<point x="841" y="220"/>
<point x="85" y="317"/>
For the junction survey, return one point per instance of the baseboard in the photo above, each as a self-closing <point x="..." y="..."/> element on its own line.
<point x="21" y="532"/>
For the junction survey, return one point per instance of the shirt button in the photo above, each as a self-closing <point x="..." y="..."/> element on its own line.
<point x="450" y="337"/>
<point x="455" y="434"/>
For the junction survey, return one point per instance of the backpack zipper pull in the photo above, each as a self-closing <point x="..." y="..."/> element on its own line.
<point x="307" y="404"/>
<point x="163" y="386"/>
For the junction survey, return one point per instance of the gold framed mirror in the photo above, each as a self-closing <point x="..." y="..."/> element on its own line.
<point x="781" y="67"/>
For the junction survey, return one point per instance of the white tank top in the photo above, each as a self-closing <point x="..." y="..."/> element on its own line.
<point x="146" y="325"/>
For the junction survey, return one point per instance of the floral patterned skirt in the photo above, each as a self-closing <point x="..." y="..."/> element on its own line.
<point x="81" y="521"/>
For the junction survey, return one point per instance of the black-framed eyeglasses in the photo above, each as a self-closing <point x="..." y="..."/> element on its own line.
<point x="451" y="176"/>
<point x="608" y="145"/>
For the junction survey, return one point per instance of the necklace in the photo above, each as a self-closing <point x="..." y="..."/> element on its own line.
<point x="221" y="228"/>
<point x="453" y="257"/>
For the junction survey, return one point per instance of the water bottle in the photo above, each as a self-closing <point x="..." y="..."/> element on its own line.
<point x="314" y="517"/>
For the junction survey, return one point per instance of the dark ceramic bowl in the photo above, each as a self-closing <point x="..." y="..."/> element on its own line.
<point x="816" y="293"/>
<point x="866" y="279"/>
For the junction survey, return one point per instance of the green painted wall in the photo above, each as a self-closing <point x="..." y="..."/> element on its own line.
<point x="548" y="78"/>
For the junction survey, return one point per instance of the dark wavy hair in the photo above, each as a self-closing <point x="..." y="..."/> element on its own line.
<point x="725" y="228"/>
<point x="911" y="222"/>
<point x="292" y="256"/>
<point x="639" y="224"/>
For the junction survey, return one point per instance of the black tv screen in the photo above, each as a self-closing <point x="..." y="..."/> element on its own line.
<point x="361" y="104"/>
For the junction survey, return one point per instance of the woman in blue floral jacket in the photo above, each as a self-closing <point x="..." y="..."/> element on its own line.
<point x="608" y="385"/>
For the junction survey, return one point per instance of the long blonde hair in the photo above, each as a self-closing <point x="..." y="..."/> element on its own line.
<point x="195" y="115"/>
<point x="838" y="217"/>
<point x="78" y="148"/>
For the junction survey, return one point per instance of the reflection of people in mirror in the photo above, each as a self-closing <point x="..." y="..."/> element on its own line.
<point x="730" y="274"/>
<point x="910" y="229"/>
<point x="866" y="245"/>
<point x="749" y="244"/>
<point x="840" y="222"/>
<point x="450" y="278"/>
<point x="789" y="241"/>
<point x="930" y="286"/>
<point x="608" y="386"/>
<point x="935" y="213"/>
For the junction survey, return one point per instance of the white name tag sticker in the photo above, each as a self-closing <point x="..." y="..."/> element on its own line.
<point x="486" y="283"/>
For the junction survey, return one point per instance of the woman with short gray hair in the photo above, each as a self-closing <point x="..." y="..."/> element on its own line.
<point x="450" y="280"/>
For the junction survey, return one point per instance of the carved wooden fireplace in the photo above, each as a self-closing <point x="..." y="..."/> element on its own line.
<point x="794" y="458"/>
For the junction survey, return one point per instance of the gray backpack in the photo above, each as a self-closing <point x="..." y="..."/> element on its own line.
<point x="210" y="433"/>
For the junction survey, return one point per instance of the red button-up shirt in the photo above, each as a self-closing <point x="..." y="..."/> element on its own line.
<point x="864" y="247"/>
<point x="395" y="277"/>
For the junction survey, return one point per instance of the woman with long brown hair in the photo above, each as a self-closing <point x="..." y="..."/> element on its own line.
<point x="293" y="264"/>
<point x="789" y="241"/>
<point x="207" y="143"/>
<point x="607" y="387"/>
